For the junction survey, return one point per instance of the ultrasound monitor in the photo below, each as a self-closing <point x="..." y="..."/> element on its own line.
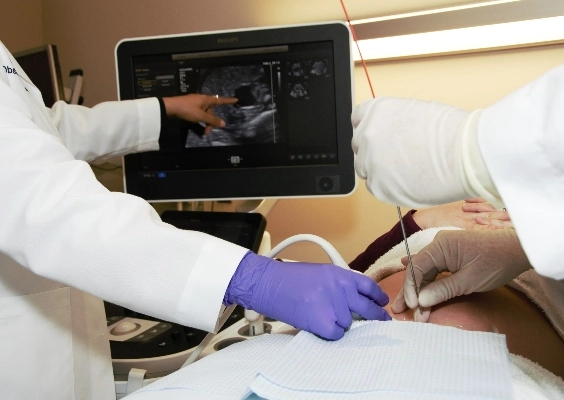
<point x="289" y="134"/>
<point x="41" y="65"/>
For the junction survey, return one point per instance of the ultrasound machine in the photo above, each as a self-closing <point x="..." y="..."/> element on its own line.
<point x="289" y="135"/>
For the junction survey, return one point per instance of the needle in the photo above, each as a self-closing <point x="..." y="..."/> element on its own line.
<point x="372" y="91"/>
<point x="408" y="253"/>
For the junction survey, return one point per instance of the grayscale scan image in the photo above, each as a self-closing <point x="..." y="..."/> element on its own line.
<point x="254" y="118"/>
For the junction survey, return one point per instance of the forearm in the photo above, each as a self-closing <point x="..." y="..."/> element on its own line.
<point x="62" y="224"/>
<point x="109" y="129"/>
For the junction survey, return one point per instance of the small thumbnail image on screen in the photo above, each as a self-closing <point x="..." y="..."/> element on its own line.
<point x="308" y="68"/>
<point x="254" y="119"/>
<point x="300" y="73"/>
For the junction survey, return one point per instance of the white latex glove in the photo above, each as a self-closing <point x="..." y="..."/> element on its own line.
<point x="478" y="260"/>
<point x="416" y="153"/>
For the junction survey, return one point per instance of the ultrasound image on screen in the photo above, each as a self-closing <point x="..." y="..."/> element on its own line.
<point x="254" y="119"/>
<point x="285" y="113"/>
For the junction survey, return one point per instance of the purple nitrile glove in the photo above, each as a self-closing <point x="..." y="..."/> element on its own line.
<point x="319" y="298"/>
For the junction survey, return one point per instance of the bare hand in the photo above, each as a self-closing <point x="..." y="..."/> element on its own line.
<point x="487" y="215"/>
<point x="472" y="214"/>
<point x="197" y="108"/>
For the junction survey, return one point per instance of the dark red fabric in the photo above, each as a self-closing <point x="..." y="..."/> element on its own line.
<point x="384" y="243"/>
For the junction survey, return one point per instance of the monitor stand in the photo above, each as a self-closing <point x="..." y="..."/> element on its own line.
<point x="262" y="206"/>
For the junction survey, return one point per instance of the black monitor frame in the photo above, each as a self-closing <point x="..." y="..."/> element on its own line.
<point x="333" y="178"/>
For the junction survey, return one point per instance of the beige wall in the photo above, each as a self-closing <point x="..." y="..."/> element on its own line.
<point x="21" y="25"/>
<point x="86" y="32"/>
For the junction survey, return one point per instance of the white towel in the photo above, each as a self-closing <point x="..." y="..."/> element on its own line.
<point x="390" y="262"/>
<point x="531" y="381"/>
<point x="547" y="293"/>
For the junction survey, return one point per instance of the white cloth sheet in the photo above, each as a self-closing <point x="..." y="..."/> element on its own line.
<point x="390" y="360"/>
<point x="224" y="375"/>
<point x="423" y="361"/>
<point x="228" y="374"/>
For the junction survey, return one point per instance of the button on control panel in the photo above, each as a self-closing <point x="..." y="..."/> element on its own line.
<point x="127" y="329"/>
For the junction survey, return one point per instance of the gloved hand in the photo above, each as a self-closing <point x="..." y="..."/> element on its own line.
<point x="416" y="153"/>
<point x="478" y="260"/>
<point x="318" y="298"/>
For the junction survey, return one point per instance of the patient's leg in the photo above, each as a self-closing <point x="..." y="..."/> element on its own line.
<point x="504" y="310"/>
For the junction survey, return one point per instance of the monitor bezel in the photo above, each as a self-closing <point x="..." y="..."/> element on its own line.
<point x="229" y="184"/>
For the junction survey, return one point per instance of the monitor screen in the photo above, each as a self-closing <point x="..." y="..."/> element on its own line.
<point x="289" y="134"/>
<point x="41" y="65"/>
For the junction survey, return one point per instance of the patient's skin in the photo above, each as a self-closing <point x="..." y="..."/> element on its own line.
<point x="504" y="310"/>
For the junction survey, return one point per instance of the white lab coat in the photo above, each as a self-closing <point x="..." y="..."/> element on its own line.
<point x="60" y="228"/>
<point x="522" y="142"/>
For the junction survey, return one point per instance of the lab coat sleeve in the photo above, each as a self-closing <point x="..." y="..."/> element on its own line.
<point x="522" y="142"/>
<point x="109" y="129"/>
<point x="58" y="221"/>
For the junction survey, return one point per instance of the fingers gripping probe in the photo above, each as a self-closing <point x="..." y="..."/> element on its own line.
<point x="253" y="316"/>
<point x="333" y="254"/>
<point x="324" y="244"/>
<point x="373" y="96"/>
